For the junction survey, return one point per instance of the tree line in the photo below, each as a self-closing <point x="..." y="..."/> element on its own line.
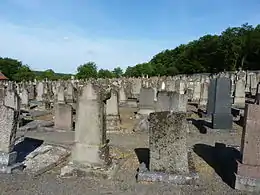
<point x="234" y="48"/>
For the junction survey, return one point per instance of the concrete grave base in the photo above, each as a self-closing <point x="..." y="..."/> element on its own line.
<point x="144" y="175"/>
<point x="247" y="183"/>
<point x="105" y="171"/>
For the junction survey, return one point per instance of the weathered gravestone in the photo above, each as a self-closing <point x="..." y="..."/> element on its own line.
<point x="112" y="111"/>
<point x="211" y="97"/>
<point x="239" y="96"/>
<point x="164" y="101"/>
<point x="248" y="172"/>
<point x="146" y="101"/>
<point x="168" y="149"/>
<point x="91" y="148"/>
<point x="221" y="115"/>
<point x="9" y="116"/>
<point x="63" y="116"/>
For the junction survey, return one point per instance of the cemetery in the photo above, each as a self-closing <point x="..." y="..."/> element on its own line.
<point x="184" y="134"/>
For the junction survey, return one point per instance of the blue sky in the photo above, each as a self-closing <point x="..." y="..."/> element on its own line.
<point x="62" y="34"/>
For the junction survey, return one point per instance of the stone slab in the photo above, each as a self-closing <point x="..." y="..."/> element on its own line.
<point x="144" y="175"/>
<point x="244" y="183"/>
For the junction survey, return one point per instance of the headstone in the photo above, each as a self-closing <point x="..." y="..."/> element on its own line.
<point x="112" y="112"/>
<point x="91" y="147"/>
<point x="63" y="117"/>
<point x="211" y="97"/>
<point x="179" y="102"/>
<point x="248" y="172"/>
<point x="146" y="101"/>
<point x="239" y="97"/>
<point x="204" y="94"/>
<point x="9" y="117"/>
<point x="221" y="116"/>
<point x="164" y="101"/>
<point x="40" y="91"/>
<point x="168" y="142"/>
<point x="24" y="98"/>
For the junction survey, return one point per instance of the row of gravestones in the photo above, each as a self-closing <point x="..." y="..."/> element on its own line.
<point x="91" y="145"/>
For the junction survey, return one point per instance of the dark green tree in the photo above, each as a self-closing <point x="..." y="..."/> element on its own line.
<point x="88" y="70"/>
<point x="103" y="73"/>
<point x="118" y="72"/>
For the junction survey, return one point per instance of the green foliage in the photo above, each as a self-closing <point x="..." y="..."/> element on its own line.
<point x="236" y="47"/>
<point x="118" y="72"/>
<point x="102" y="73"/>
<point x="88" y="70"/>
<point x="24" y="74"/>
<point x="9" y="67"/>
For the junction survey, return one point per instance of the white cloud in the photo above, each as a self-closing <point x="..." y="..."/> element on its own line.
<point x="43" y="48"/>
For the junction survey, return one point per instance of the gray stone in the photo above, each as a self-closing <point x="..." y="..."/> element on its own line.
<point x="221" y="116"/>
<point x="91" y="147"/>
<point x="8" y="158"/>
<point x="167" y="138"/>
<point x="63" y="117"/>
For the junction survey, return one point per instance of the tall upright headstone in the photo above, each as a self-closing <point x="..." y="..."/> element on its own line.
<point x="221" y="116"/>
<point x="9" y="117"/>
<point x="63" y="116"/>
<point x="240" y="95"/>
<point x="168" y="142"/>
<point x="146" y="101"/>
<point x="112" y="111"/>
<point x="91" y="147"/>
<point x="248" y="172"/>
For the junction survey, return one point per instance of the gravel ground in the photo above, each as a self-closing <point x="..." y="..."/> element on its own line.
<point x="215" y="165"/>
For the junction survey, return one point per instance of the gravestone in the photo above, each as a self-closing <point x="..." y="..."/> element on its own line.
<point x="239" y="97"/>
<point x="164" y="101"/>
<point x="146" y="101"/>
<point x="211" y="97"/>
<point x="179" y="102"/>
<point x="40" y="91"/>
<point x="112" y="111"/>
<point x="168" y="142"/>
<point x="63" y="117"/>
<point x="91" y="148"/>
<point x="168" y="150"/>
<point x="248" y="172"/>
<point x="204" y="94"/>
<point x="221" y="116"/>
<point x="9" y="117"/>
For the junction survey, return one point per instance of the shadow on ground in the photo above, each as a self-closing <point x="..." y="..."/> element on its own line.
<point x="201" y="125"/>
<point x="143" y="155"/>
<point x="222" y="159"/>
<point x="25" y="147"/>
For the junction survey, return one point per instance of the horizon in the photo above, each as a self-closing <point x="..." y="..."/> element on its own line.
<point x="63" y="35"/>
